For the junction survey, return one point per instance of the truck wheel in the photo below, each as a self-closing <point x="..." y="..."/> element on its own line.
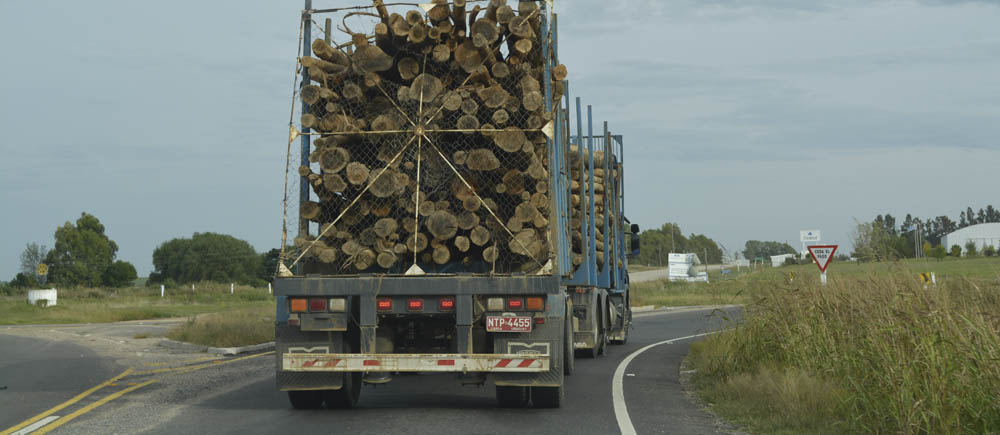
<point x="347" y="396"/>
<point x="569" y="356"/>
<point x="512" y="397"/>
<point x="350" y="391"/>
<point x="305" y="399"/>
<point x="601" y="347"/>
<point x="546" y="397"/>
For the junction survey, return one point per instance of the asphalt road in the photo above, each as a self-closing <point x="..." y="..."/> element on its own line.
<point x="237" y="395"/>
<point x="37" y="374"/>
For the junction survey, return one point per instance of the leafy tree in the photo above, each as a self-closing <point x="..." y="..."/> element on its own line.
<point x="989" y="251"/>
<point x="970" y="249"/>
<point x="269" y="264"/>
<point x="82" y="253"/>
<point x="657" y="243"/>
<point x="939" y="252"/>
<point x="873" y="243"/>
<point x="927" y="249"/>
<point x="206" y="257"/>
<point x="956" y="251"/>
<point x="119" y="274"/>
<point x="33" y="255"/>
<point x="700" y="244"/>
<point x="24" y="280"/>
<point x="756" y="248"/>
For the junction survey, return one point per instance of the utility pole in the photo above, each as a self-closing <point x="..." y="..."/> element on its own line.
<point x="673" y="248"/>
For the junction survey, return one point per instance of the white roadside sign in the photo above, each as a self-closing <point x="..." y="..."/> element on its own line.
<point x="806" y="236"/>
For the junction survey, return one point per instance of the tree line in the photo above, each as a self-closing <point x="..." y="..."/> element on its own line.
<point x="883" y="238"/>
<point x="84" y="256"/>
<point x="658" y="243"/>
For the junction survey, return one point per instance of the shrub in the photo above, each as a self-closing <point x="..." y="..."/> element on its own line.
<point x="119" y="274"/>
<point x="956" y="251"/>
<point x="939" y="252"/>
<point x="970" y="249"/>
<point x="24" y="281"/>
<point x="989" y="251"/>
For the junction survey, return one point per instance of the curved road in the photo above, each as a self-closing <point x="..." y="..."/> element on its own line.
<point x="237" y="395"/>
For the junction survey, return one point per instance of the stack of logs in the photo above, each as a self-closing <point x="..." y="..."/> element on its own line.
<point x="466" y="84"/>
<point x="580" y="195"/>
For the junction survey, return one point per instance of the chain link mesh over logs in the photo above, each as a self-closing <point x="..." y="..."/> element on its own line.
<point x="428" y="144"/>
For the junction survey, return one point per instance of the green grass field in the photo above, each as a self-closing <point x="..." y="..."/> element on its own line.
<point x="136" y="303"/>
<point x="874" y="351"/>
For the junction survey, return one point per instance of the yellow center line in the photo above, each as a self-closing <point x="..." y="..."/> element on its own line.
<point x="215" y="362"/>
<point x="69" y="402"/>
<point x="88" y="408"/>
<point x="188" y="361"/>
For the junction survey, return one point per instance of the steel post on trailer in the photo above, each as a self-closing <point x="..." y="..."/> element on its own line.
<point x="604" y="280"/>
<point x="592" y="235"/>
<point x="304" y="158"/>
<point x="584" y="273"/>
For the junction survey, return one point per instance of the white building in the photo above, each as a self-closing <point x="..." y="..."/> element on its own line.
<point x="779" y="260"/>
<point x="982" y="235"/>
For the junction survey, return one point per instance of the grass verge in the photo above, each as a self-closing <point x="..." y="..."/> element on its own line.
<point x="89" y="305"/>
<point x="873" y="352"/>
<point x="240" y="327"/>
<point x="663" y="293"/>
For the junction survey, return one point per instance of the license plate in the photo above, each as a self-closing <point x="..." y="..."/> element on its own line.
<point x="508" y="324"/>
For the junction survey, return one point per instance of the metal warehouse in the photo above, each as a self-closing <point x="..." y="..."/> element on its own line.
<point x="982" y="235"/>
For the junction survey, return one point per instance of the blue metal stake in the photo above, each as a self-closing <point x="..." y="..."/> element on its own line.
<point x="592" y="235"/>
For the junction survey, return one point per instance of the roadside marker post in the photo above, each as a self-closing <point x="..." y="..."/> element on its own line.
<point x="822" y="255"/>
<point x="231" y="290"/>
<point x="161" y="290"/>
<point x="268" y="288"/>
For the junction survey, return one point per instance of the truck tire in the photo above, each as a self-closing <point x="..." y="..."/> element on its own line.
<point x="569" y="355"/>
<point x="350" y="391"/>
<point x="306" y="399"/>
<point x="547" y="397"/>
<point x="512" y="397"/>
<point x="601" y="347"/>
<point x="347" y="396"/>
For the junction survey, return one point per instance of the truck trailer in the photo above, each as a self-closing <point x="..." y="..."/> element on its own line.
<point x="447" y="219"/>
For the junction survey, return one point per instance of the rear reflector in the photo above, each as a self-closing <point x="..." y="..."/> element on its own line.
<point x="534" y="304"/>
<point x="515" y="304"/>
<point x="317" y="304"/>
<point x="298" y="305"/>
<point x="415" y="304"/>
<point x="384" y="304"/>
<point x="539" y="320"/>
<point x="446" y="362"/>
<point x="337" y="305"/>
<point x="494" y="304"/>
<point x="447" y="304"/>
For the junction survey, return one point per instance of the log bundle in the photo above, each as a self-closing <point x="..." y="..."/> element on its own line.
<point x="428" y="143"/>
<point x="580" y="176"/>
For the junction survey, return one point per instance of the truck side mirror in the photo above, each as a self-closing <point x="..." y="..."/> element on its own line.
<point x="634" y="242"/>
<point x="634" y="228"/>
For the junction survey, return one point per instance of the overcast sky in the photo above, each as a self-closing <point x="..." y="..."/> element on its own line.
<point x="747" y="119"/>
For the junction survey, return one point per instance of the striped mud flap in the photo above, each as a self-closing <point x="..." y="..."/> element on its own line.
<point x="550" y="377"/>
<point x="460" y="363"/>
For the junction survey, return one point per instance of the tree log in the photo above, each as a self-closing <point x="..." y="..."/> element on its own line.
<point x="442" y="254"/>
<point x="442" y="225"/>
<point x="462" y="243"/>
<point x="357" y="173"/>
<point x="310" y="210"/>
<point x="479" y="235"/>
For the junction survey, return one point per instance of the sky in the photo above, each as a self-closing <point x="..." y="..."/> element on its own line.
<point x="749" y="119"/>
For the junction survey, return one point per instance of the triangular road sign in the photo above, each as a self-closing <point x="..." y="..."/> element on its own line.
<point x="822" y="255"/>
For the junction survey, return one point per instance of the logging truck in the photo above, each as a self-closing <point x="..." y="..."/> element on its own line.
<point x="448" y="219"/>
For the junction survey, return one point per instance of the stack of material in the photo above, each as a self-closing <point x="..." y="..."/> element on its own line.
<point x="430" y="142"/>
<point x="579" y="187"/>
<point x="681" y="267"/>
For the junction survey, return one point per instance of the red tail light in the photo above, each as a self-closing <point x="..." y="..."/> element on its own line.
<point x="515" y="303"/>
<point x="317" y="304"/>
<point x="384" y="304"/>
<point x="447" y="304"/>
<point x="415" y="304"/>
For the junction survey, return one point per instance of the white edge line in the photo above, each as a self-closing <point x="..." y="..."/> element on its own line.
<point x="34" y="426"/>
<point x="618" y="391"/>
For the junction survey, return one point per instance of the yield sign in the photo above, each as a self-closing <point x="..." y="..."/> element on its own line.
<point x="822" y="255"/>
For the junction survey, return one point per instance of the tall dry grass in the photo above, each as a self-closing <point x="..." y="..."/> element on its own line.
<point x="898" y="357"/>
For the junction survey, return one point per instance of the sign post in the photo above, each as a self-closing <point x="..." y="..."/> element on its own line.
<point x="822" y="255"/>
